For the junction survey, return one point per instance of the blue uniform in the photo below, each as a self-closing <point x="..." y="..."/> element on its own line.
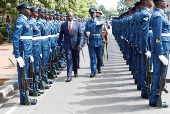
<point x="130" y="43"/>
<point x="36" y="43"/>
<point x="22" y="36"/>
<point x="9" y="30"/>
<point x="144" y="43"/>
<point x="45" y="45"/>
<point x="134" y="67"/>
<point x="94" y="42"/>
<point x="160" y="44"/>
<point x="138" y="50"/>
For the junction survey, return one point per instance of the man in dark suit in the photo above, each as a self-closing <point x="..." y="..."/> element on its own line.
<point x="71" y="31"/>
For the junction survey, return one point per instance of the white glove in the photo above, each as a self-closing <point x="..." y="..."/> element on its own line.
<point x="20" y="61"/>
<point x="57" y="34"/>
<point x="97" y="23"/>
<point x="50" y="50"/>
<point x="41" y="55"/>
<point x="122" y="37"/>
<point x="163" y="59"/>
<point x="31" y="59"/>
<point x="88" y="34"/>
<point x="148" y="54"/>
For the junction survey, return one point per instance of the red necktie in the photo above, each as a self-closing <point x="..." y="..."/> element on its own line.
<point x="70" y="28"/>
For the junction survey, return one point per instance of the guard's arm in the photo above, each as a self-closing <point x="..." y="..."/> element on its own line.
<point x="16" y="37"/>
<point x="157" y="30"/>
<point x="144" y="32"/>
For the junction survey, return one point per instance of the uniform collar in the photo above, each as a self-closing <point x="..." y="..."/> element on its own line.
<point x="147" y="9"/>
<point x="24" y="16"/>
<point x="32" y="19"/>
<point x="158" y="9"/>
<point x="94" y="19"/>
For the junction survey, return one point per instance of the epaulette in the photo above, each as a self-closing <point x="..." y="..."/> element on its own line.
<point x="157" y="15"/>
<point x="144" y="13"/>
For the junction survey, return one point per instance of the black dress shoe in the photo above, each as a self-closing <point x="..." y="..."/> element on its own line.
<point x="32" y="102"/>
<point x="50" y="81"/>
<point x="129" y="69"/>
<point x="136" y="82"/>
<point x="76" y="75"/>
<point x="68" y="79"/>
<point x="102" y="64"/>
<point x="47" y="87"/>
<point x="99" y="70"/>
<point x="78" y="67"/>
<point x="41" y="92"/>
<point x="138" y="88"/>
<point x="165" y="105"/>
<point x="155" y="105"/>
<point x="55" y="76"/>
<point x="127" y="63"/>
<point x="144" y="96"/>
<point x="92" y="75"/>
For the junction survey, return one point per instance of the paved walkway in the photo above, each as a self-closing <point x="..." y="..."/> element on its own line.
<point x="111" y="92"/>
<point x="7" y="70"/>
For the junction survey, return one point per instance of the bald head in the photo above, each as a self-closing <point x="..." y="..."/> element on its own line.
<point x="70" y="16"/>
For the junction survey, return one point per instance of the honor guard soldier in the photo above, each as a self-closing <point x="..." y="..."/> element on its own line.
<point x="44" y="39"/>
<point x="22" y="44"/>
<point x="104" y="35"/>
<point x="138" y="53"/>
<point x="9" y="30"/>
<point x="130" y="22"/>
<point x="145" y="28"/>
<point x="159" y="47"/>
<point x="134" y="42"/>
<point x="93" y="31"/>
<point x="36" y="43"/>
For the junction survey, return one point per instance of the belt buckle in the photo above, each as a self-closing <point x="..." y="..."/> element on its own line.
<point x="94" y="34"/>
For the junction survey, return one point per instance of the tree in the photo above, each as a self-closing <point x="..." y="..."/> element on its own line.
<point x="124" y="4"/>
<point x="107" y="13"/>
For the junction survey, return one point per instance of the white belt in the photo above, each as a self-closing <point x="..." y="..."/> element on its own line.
<point x="53" y="35"/>
<point x="37" y="38"/>
<point x="165" y="34"/>
<point x="25" y="37"/>
<point x="44" y="37"/>
<point x="150" y="31"/>
<point x="49" y="35"/>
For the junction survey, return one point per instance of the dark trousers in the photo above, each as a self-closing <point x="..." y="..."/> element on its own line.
<point x="72" y="61"/>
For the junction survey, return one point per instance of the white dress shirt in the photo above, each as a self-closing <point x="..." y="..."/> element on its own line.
<point x="71" y="24"/>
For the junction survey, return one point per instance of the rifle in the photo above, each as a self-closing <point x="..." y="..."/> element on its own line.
<point x="52" y="66"/>
<point x="25" y="82"/>
<point x="41" y="69"/>
<point x="56" y="62"/>
<point x="148" y="75"/>
<point x="162" y="83"/>
<point x="49" y="67"/>
<point x="32" y="75"/>
<point x="41" y="74"/>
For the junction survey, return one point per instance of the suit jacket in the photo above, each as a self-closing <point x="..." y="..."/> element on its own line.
<point x="73" y="40"/>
